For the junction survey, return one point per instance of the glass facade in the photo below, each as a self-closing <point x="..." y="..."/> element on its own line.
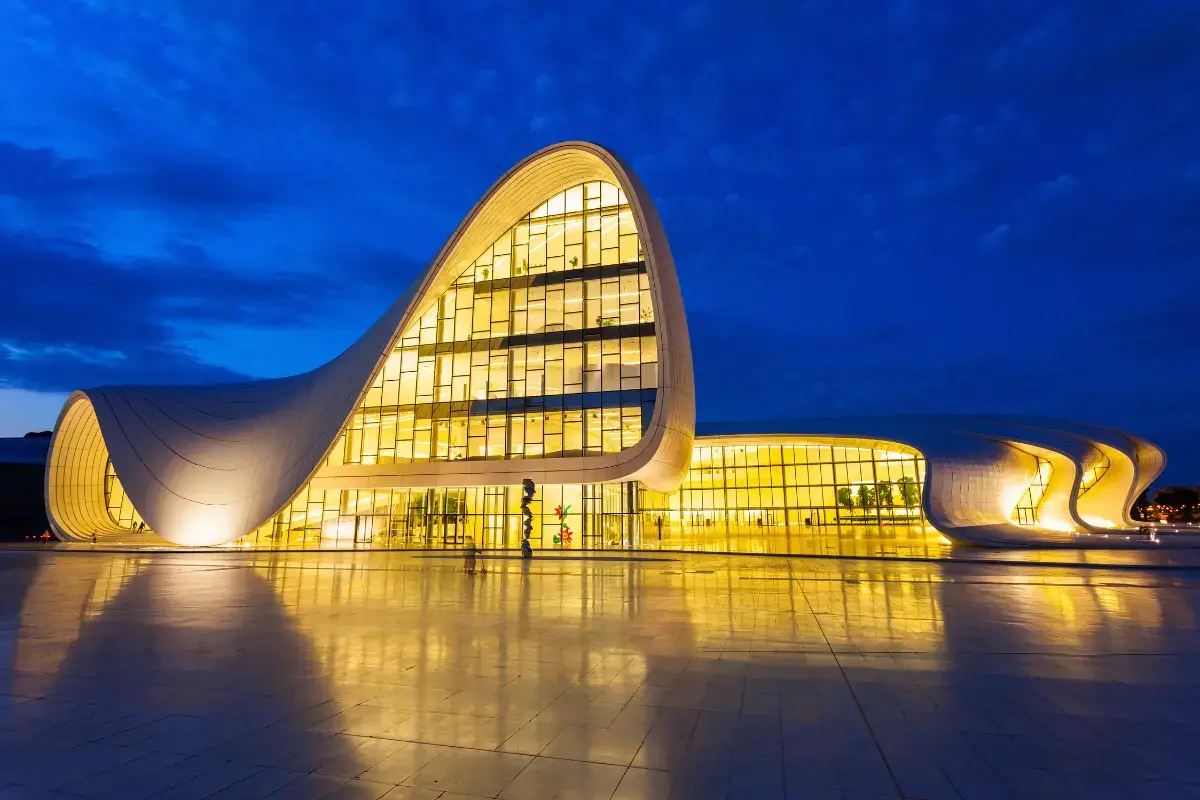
<point x="801" y="484"/>
<point x="735" y="497"/>
<point x="1094" y="467"/>
<point x="545" y="346"/>
<point x="590" y="516"/>
<point x="1026" y="512"/>
<point x="814" y="496"/>
<point x="120" y="508"/>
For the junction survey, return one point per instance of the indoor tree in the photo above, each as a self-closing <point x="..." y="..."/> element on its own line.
<point x="866" y="496"/>
<point x="844" y="498"/>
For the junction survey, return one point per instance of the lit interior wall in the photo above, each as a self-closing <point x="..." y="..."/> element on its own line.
<point x="1150" y="461"/>
<point x="75" y="474"/>
<point x="974" y="482"/>
<point x="1105" y="503"/>
<point x="1046" y="501"/>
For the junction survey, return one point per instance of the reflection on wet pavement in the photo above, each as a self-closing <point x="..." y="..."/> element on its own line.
<point x="365" y="675"/>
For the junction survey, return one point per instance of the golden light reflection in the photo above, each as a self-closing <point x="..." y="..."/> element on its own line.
<point x="63" y="596"/>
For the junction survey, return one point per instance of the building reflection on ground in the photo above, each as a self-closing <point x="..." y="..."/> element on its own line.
<point x="648" y="676"/>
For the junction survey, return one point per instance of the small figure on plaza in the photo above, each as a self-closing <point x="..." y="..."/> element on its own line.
<point x="469" y="556"/>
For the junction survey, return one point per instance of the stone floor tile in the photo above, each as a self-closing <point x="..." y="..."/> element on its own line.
<point x="564" y="780"/>
<point x="261" y="784"/>
<point x="414" y="793"/>
<point x="128" y="780"/>
<point x="532" y="737"/>
<point x="359" y="789"/>
<point x="470" y="771"/>
<point x="601" y="745"/>
<point x="309" y="787"/>
<point x="209" y="782"/>
<point x="404" y="763"/>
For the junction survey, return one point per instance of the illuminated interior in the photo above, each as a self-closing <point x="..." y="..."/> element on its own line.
<point x="806" y="483"/>
<point x="752" y="488"/>
<point x="120" y="507"/>
<point x="759" y="487"/>
<point x="544" y="346"/>
<point x="587" y="516"/>
<point x="1094" y="467"/>
<point x="1026" y="512"/>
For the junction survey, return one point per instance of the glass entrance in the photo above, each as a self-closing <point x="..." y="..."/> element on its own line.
<point x="495" y="531"/>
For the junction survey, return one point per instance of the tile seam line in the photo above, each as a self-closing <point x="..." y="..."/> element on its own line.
<point x="858" y="703"/>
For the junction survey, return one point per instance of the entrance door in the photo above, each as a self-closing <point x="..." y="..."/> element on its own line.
<point x="495" y="534"/>
<point x="451" y="516"/>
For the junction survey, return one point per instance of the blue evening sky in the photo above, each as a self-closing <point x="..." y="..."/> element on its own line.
<point x="914" y="206"/>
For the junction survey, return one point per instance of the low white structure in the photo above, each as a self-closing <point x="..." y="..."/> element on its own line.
<point x="548" y="340"/>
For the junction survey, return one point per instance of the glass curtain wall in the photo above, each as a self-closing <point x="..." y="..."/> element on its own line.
<point x="1094" y="467"/>
<point x="1027" y="510"/>
<point x="545" y="346"/>
<point x="752" y="493"/>
<point x="120" y="508"/>
<point x="749" y="491"/>
<point x="590" y="516"/>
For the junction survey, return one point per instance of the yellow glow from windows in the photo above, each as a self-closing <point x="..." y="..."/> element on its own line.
<point x="1094" y="468"/>
<point x="120" y="507"/>
<point x="1029" y="504"/>
<point x="801" y="484"/>
<point x="570" y="277"/>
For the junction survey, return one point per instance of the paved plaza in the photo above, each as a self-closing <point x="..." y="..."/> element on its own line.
<point x="368" y="675"/>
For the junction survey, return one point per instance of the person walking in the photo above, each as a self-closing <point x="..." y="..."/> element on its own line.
<point x="469" y="556"/>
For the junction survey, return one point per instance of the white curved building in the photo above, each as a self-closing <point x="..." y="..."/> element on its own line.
<point x="548" y="340"/>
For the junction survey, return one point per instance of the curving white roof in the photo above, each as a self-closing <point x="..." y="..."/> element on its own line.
<point x="206" y="464"/>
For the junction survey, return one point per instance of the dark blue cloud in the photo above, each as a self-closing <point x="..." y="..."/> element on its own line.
<point x="43" y="179"/>
<point x="76" y="318"/>
<point x="931" y="207"/>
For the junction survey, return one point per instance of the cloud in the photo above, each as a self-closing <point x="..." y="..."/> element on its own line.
<point x="44" y="179"/>
<point x="72" y="315"/>
<point x="993" y="238"/>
